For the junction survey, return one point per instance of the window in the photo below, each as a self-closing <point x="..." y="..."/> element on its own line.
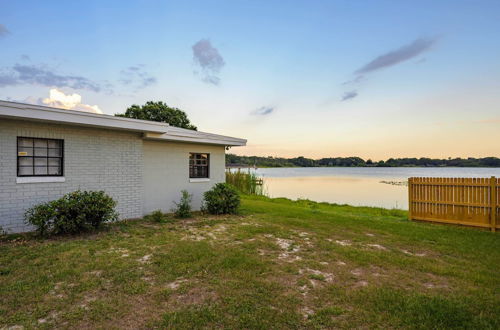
<point x="199" y="165"/>
<point x="39" y="157"/>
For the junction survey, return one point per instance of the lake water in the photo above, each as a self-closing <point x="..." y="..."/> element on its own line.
<point x="355" y="185"/>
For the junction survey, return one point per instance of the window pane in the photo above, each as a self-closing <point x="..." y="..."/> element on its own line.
<point x="41" y="152"/>
<point x="25" y="161"/>
<point x="40" y="161"/>
<point x="55" y="152"/>
<point x="33" y="157"/>
<point x="40" y="143"/>
<point x="54" y="144"/>
<point x="54" y="170"/>
<point x="54" y="161"/>
<point x="41" y="170"/>
<point x="25" y="142"/>
<point x="25" y="170"/>
<point x="21" y="151"/>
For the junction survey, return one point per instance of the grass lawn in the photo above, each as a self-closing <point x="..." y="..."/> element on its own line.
<point x="279" y="264"/>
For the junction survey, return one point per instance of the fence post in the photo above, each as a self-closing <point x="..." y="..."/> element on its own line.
<point x="493" y="204"/>
<point x="410" y="197"/>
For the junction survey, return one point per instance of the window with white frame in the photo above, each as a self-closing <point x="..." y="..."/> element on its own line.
<point x="199" y="165"/>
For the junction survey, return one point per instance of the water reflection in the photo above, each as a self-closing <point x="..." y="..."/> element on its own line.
<point x="355" y="186"/>
<point x="341" y="190"/>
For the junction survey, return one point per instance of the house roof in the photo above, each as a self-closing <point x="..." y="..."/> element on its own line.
<point x="152" y="130"/>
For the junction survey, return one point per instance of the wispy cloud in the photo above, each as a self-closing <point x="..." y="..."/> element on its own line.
<point x="392" y="58"/>
<point x="209" y="60"/>
<point x="59" y="99"/>
<point x="263" y="111"/>
<point x="3" y="30"/>
<point x="137" y="76"/>
<point x="355" y="80"/>
<point x="397" y="56"/>
<point x="21" y="74"/>
<point x="349" y="95"/>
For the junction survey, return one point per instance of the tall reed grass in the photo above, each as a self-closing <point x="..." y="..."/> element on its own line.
<point x="246" y="182"/>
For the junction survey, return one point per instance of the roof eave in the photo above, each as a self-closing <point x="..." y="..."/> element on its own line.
<point x="22" y="111"/>
<point x="216" y="140"/>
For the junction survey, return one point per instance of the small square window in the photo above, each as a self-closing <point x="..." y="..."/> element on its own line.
<point x="199" y="165"/>
<point x="39" y="157"/>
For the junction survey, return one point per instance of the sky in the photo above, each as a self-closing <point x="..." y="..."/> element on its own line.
<point x="374" y="79"/>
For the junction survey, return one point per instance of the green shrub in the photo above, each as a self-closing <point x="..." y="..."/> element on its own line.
<point x="155" y="216"/>
<point x="73" y="213"/>
<point x="183" y="208"/>
<point x="223" y="198"/>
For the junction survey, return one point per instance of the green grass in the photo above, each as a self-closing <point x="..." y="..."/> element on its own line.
<point x="279" y="264"/>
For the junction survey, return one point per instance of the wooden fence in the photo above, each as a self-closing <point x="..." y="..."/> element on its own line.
<point x="464" y="201"/>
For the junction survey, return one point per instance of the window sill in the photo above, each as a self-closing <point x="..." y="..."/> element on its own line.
<point x="199" y="180"/>
<point x="40" y="179"/>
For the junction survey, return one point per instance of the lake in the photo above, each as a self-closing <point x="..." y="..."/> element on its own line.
<point x="356" y="185"/>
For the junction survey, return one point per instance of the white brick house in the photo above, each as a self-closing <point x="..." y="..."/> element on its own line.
<point x="47" y="152"/>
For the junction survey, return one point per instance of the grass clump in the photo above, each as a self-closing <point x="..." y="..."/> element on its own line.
<point x="156" y="216"/>
<point x="247" y="183"/>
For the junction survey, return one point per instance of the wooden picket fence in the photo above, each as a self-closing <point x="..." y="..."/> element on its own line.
<point x="463" y="201"/>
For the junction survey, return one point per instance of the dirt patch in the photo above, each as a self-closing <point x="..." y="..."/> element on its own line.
<point x="357" y="272"/>
<point x="377" y="246"/>
<point x="289" y="249"/>
<point x="306" y="312"/>
<point x="429" y="285"/>
<point x="343" y="242"/>
<point x="176" y="284"/>
<point x="322" y="276"/>
<point x="145" y="259"/>
<point x="196" y="296"/>
<point x="416" y="254"/>
<point x="361" y="284"/>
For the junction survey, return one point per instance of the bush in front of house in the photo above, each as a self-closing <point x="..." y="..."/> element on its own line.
<point x="75" y="212"/>
<point x="183" y="208"/>
<point x="155" y="216"/>
<point x="223" y="198"/>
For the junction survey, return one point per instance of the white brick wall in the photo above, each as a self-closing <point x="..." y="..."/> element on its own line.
<point x="94" y="159"/>
<point x="166" y="173"/>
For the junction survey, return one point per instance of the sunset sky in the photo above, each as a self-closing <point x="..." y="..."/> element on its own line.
<point x="374" y="79"/>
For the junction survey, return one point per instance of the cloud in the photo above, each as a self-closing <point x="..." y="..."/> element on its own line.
<point x="263" y="111"/>
<point x="137" y="76"/>
<point x="209" y="60"/>
<point x="349" y="95"/>
<point x="59" y="99"/>
<point x="21" y="74"/>
<point x="3" y="30"/>
<point x="356" y="80"/>
<point x="397" y="56"/>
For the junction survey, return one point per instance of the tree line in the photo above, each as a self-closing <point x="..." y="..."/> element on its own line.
<point x="269" y="161"/>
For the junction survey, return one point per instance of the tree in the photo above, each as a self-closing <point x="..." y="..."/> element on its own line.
<point x="159" y="111"/>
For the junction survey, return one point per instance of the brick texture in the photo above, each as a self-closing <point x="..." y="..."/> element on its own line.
<point x="94" y="159"/>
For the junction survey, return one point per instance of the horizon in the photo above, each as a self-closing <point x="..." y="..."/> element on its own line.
<point x="366" y="159"/>
<point x="377" y="80"/>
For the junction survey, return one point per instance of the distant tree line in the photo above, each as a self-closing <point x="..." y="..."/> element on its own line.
<point x="359" y="162"/>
